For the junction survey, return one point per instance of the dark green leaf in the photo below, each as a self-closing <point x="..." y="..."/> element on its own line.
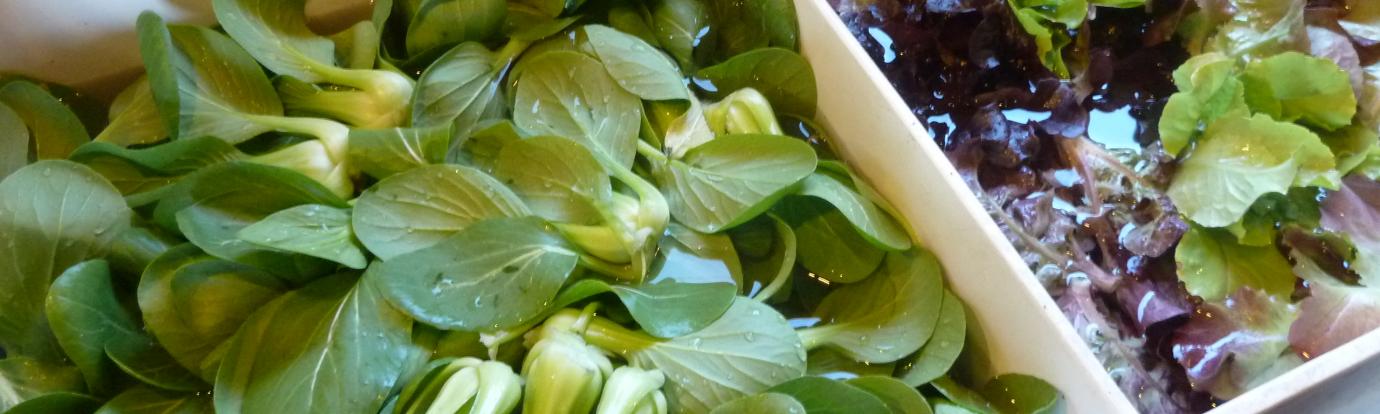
<point x="942" y="349"/>
<point x="1022" y="394"/>
<point x="146" y="400"/>
<point x="144" y="175"/>
<point x="689" y="256"/>
<point x="335" y="346"/>
<point x="311" y="229"/>
<point x="725" y="182"/>
<point x="419" y="208"/>
<point x="55" y="131"/>
<point x="899" y="397"/>
<point x="14" y="142"/>
<point x="825" y="396"/>
<point x="193" y="303"/>
<point x="671" y="309"/>
<point x="144" y="359"/>
<point x="837" y="187"/>
<point x="783" y="76"/>
<point x="830" y="246"/>
<point x="962" y="396"/>
<point x="26" y="378"/>
<point x="828" y="363"/>
<point x="742" y="26"/>
<point x="384" y="152"/>
<point x="53" y="214"/>
<point x="495" y="274"/>
<point x="558" y="178"/>
<point x="767" y="402"/>
<point x="85" y="315"/>
<point x="886" y="317"/>
<point x="441" y="23"/>
<point x="569" y="94"/>
<point x="58" y="402"/>
<point x="459" y="88"/>
<point x="225" y="198"/>
<point x="677" y="24"/>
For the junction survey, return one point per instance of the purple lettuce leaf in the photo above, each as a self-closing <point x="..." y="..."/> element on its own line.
<point x="1226" y="348"/>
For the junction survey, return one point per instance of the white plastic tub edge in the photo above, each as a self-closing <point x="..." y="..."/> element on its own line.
<point x="83" y="42"/>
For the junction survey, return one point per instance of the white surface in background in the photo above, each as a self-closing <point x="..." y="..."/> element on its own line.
<point x="75" y="42"/>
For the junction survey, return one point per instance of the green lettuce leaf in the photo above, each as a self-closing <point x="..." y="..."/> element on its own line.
<point x="1292" y="86"/>
<point x="1213" y="265"/>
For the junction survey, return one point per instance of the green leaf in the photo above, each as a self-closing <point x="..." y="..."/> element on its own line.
<point x="749" y="349"/>
<point x="637" y="66"/>
<point x="837" y="187"/>
<point x="1047" y="24"/>
<point x="886" y="317"/>
<point x="1292" y="86"/>
<point x="767" y="268"/>
<point x="569" y="94"/>
<point x="725" y="182"/>
<point x="671" y="309"/>
<point x="338" y="342"/>
<point x="942" y="349"/>
<point x="495" y="274"/>
<point x="55" y="131"/>
<point x="85" y="315"/>
<point x="276" y="34"/>
<point x="194" y="303"/>
<point x="1120" y="4"/>
<point x="203" y="82"/>
<point x="146" y="400"/>
<point x="1240" y="159"/>
<point x="558" y="178"/>
<point x="783" y="76"/>
<point x="825" y="396"/>
<point x="25" y="378"/>
<point x="311" y="229"/>
<point x="1212" y="265"/>
<point x="1069" y="13"/>
<point x="677" y="23"/>
<point x="829" y="246"/>
<point x="828" y="363"/>
<point x="228" y="197"/>
<point x="963" y="397"/>
<point x="57" y="402"/>
<point x="138" y="122"/>
<point x="441" y="23"/>
<point x="53" y="214"/>
<point x="1352" y="145"/>
<point x="744" y="26"/>
<point x="14" y="142"/>
<point x="1251" y="30"/>
<point x="459" y="88"/>
<point x="384" y="152"/>
<point x="483" y="146"/>
<point x="629" y="19"/>
<point x="144" y="359"/>
<point x="422" y="207"/>
<point x="1209" y="89"/>
<point x="898" y="396"/>
<point x="146" y="175"/>
<point x="767" y="402"/>
<point x="1018" y="393"/>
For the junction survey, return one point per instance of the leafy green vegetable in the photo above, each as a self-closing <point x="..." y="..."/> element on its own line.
<point x="1253" y="29"/>
<point x="145" y="360"/>
<point x="886" y="317"/>
<point x="1208" y="90"/>
<point x="462" y="86"/>
<point x="767" y="402"/>
<point x="741" y="27"/>
<point x="1239" y="345"/>
<point x="571" y="95"/>
<point x="337" y="339"/>
<point x="276" y="34"/>
<point x="822" y="395"/>
<point x="1019" y="393"/>
<point x="54" y="130"/>
<point x="1212" y="265"/>
<point x="677" y="23"/>
<point x="749" y="349"/>
<point x="765" y="275"/>
<point x="421" y="207"/>
<point x="834" y="183"/>
<point x="718" y="185"/>
<point x="138" y="121"/>
<point x="14" y="142"/>
<point x="1241" y="159"/>
<point x="439" y="23"/>
<point x="224" y="199"/>
<point x="1047" y="22"/>
<point x="311" y="229"/>
<point x="898" y="396"/>
<point x="1292" y="86"/>
<point x="829" y="246"/>
<point x="146" y="175"/>
<point x="57" y="402"/>
<point x="464" y="281"/>
<point x="53" y="214"/>
<point x="384" y="152"/>
<point x="637" y="66"/>
<point x="139" y="400"/>
<point x="745" y="111"/>
<point x="25" y="378"/>
<point x="940" y="352"/>
<point x="194" y="303"/>
<point x="85" y="315"/>
<point x="783" y="76"/>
